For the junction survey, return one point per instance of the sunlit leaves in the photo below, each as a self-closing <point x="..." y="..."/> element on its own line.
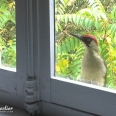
<point x="6" y="12"/>
<point x="112" y="29"/>
<point x="67" y="45"/>
<point x="7" y="33"/>
<point x="76" y="19"/>
<point x="92" y="17"/>
<point x="68" y="61"/>
<point x="96" y="5"/>
<point x="113" y="14"/>
<point x="96" y="14"/>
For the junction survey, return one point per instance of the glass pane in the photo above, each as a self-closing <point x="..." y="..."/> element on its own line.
<point x="7" y="34"/>
<point x="95" y="24"/>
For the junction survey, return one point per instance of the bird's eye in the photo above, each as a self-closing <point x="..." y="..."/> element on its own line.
<point x="88" y="39"/>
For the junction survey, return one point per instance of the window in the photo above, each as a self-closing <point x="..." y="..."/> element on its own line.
<point x="7" y="35"/>
<point x="13" y="84"/>
<point x="35" y="59"/>
<point x="91" y="17"/>
<point x="68" y="93"/>
<point x="13" y="81"/>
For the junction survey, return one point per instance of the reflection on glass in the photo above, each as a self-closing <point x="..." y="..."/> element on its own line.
<point x="7" y="34"/>
<point x="97" y="18"/>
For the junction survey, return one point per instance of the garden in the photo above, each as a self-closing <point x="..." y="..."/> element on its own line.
<point x="96" y="17"/>
<point x="7" y="33"/>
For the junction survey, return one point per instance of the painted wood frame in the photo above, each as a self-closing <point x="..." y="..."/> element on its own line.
<point x="71" y="94"/>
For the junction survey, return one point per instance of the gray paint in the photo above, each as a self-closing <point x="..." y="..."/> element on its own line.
<point x="44" y="49"/>
<point x="40" y="64"/>
<point x="57" y="110"/>
<point x="83" y="98"/>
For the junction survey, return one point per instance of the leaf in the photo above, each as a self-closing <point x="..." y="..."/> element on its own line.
<point x="68" y="45"/>
<point x="56" y="1"/>
<point x="74" y="18"/>
<point x="82" y="20"/>
<point x="66" y="18"/>
<point x="65" y="1"/>
<point x="113" y="13"/>
<point x="59" y="26"/>
<point x="58" y="49"/>
<point x="62" y="1"/>
<point x="57" y="17"/>
<point x="70" y="18"/>
<point x="90" y="24"/>
<point x="97" y="25"/>
<point x="87" y="22"/>
<point x="78" y="20"/>
<point x="76" y="69"/>
<point x="75" y="62"/>
<point x="64" y="47"/>
<point x="56" y="27"/>
<point x="72" y="44"/>
<point x="62" y="18"/>
<point x="62" y="8"/>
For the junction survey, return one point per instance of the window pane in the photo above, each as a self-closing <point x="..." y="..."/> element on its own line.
<point x="7" y="34"/>
<point x="97" y="18"/>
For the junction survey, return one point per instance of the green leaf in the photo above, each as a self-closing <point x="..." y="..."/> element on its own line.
<point x="66" y="18"/>
<point x="70" y="18"/>
<point x="74" y="18"/>
<point x="68" y="45"/>
<point x="65" y="1"/>
<point x="62" y="18"/>
<point x="82" y="20"/>
<point x="56" y="27"/>
<point x="90" y="24"/>
<point x="72" y="44"/>
<point x="56" y="1"/>
<point x="86" y="22"/>
<point x="62" y="1"/>
<point x="58" y="49"/>
<point x="63" y="47"/>
<point x="97" y="25"/>
<point x="78" y="20"/>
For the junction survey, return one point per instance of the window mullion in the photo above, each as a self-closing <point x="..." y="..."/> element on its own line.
<point x="31" y="89"/>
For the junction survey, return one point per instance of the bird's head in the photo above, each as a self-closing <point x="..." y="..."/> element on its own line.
<point x="89" y="40"/>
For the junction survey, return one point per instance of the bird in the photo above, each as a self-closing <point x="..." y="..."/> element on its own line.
<point x="93" y="67"/>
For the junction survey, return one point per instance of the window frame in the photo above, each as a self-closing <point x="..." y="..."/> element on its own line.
<point x="12" y="83"/>
<point x="55" y="90"/>
<point x="52" y="90"/>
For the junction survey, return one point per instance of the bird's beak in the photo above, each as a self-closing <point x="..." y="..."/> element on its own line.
<point x="77" y="36"/>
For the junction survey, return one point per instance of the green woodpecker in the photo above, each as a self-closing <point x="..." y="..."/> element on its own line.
<point x="93" y="69"/>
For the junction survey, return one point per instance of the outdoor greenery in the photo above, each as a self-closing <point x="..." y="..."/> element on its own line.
<point x="7" y="33"/>
<point x="96" y="17"/>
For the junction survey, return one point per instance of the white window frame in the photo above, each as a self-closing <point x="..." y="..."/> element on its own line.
<point x="55" y="91"/>
<point x="12" y="83"/>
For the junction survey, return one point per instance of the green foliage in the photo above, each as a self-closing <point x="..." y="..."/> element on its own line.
<point x="69" y="54"/>
<point x="97" y="17"/>
<point x="7" y="33"/>
<point x="9" y="56"/>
